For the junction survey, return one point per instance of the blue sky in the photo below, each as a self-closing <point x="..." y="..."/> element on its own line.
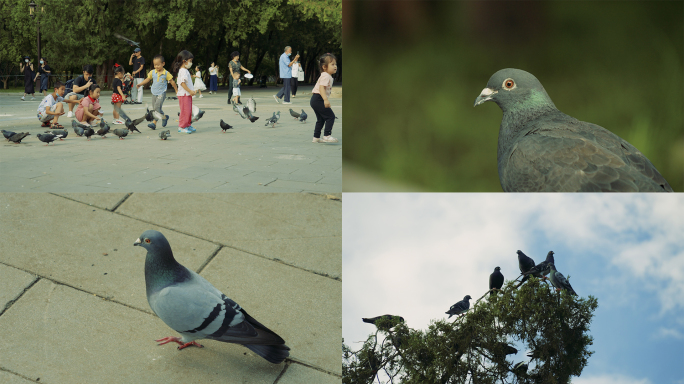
<point x="415" y="255"/>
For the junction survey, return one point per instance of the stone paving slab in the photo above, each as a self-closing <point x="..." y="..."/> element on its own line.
<point x="297" y="374"/>
<point x="250" y="146"/>
<point x="13" y="282"/>
<point x="8" y="378"/>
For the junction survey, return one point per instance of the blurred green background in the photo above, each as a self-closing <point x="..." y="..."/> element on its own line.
<point x="417" y="67"/>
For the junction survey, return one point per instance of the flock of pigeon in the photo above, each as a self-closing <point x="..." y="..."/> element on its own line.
<point x="246" y="112"/>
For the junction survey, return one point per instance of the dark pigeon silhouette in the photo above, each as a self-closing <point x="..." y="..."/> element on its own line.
<point x="459" y="307"/>
<point x="79" y="128"/>
<point x="303" y="116"/>
<point x="18" y="137"/>
<point x="191" y="306"/>
<point x="543" y="267"/>
<point x="130" y="123"/>
<point x="496" y="280"/>
<point x="62" y="133"/>
<point x="294" y="114"/>
<point x="541" y="149"/>
<point x="374" y="320"/>
<point x="225" y="126"/>
<point x="525" y="263"/>
<point x="120" y="132"/>
<point x="47" y="137"/>
<point x="88" y="133"/>
<point x="7" y="134"/>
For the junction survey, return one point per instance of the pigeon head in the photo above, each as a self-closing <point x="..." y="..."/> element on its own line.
<point x="515" y="90"/>
<point x="497" y="269"/>
<point x="549" y="256"/>
<point x="154" y="242"/>
<point x="467" y="298"/>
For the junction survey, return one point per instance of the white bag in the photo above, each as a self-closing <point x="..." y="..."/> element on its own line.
<point x="300" y="75"/>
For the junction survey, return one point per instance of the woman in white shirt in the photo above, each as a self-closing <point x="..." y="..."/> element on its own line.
<point x="296" y="73"/>
<point x="213" y="78"/>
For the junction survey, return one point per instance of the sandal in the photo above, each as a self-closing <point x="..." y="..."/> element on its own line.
<point x="57" y="126"/>
<point x="45" y="125"/>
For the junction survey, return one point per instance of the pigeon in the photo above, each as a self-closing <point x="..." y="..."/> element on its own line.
<point x="225" y="126"/>
<point x="294" y="114"/>
<point x="249" y="115"/>
<point x="373" y="320"/>
<point x="459" y="307"/>
<point x="78" y="127"/>
<point x="496" y="280"/>
<point x="303" y="116"/>
<point x="18" y="137"/>
<point x="164" y="134"/>
<point x="542" y="149"/>
<point x="7" y="134"/>
<point x="273" y="119"/>
<point x="47" y="137"/>
<point x="153" y="115"/>
<point x="104" y="129"/>
<point x="559" y="281"/>
<point x="520" y="368"/>
<point x="191" y="306"/>
<point x="525" y="263"/>
<point x="130" y="42"/>
<point x="543" y="267"/>
<point x="172" y="97"/>
<point x="130" y="123"/>
<point x="148" y="113"/>
<point x="251" y="104"/>
<point x="121" y="133"/>
<point x="62" y="133"/>
<point x="88" y="132"/>
<point x="239" y="111"/>
<point x="500" y="350"/>
<point x="196" y="113"/>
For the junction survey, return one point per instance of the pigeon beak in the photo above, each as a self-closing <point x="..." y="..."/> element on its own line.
<point x="137" y="242"/>
<point x="486" y="95"/>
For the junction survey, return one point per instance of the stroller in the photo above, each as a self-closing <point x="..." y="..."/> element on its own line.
<point x="127" y="85"/>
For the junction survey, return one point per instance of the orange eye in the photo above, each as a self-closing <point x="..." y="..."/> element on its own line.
<point x="147" y="241"/>
<point x="509" y="83"/>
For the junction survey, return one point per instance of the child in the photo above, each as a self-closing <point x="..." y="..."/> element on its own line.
<point x="199" y="84"/>
<point x="319" y="99"/>
<point x="185" y="92"/>
<point x="160" y="77"/>
<point x="89" y="108"/>
<point x="236" y="88"/>
<point x="118" y="96"/>
<point x="52" y="108"/>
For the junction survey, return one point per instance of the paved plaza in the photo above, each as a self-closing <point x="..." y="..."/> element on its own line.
<point x="73" y="307"/>
<point x="249" y="158"/>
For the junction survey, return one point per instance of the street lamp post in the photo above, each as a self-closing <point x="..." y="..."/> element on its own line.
<point x="32" y="12"/>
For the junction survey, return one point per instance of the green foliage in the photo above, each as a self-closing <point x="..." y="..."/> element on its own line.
<point x="473" y="347"/>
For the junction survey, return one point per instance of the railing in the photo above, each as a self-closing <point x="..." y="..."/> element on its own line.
<point x="18" y="80"/>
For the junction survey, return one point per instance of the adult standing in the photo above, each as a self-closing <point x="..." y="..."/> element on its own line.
<point x="234" y="66"/>
<point x="286" y="75"/>
<point x="138" y="63"/>
<point x="213" y="78"/>
<point x="80" y="87"/>
<point x="26" y="67"/>
<point x="44" y="71"/>
<point x="297" y="72"/>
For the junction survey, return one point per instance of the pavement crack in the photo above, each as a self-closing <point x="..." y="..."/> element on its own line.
<point x="287" y="365"/>
<point x="270" y="182"/>
<point x="117" y="205"/>
<point x="11" y="302"/>
<point x="209" y="259"/>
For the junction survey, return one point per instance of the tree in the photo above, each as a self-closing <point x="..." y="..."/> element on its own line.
<point x="474" y="347"/>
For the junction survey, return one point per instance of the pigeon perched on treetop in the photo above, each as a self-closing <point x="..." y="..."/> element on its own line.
<point x="542" y="149"/>
<point x="559" y="281"/>
<point x="459" y="307"/>
<point x="520" y="368"/>
<point x="190" y="305"/>
<point x="294" y="114"/>
<point x="62" y="133"/>
<point x="225" y="126"/>
<point x="303" y="116"/>
<point x="47" y="137"/>
<point x="543" y="267"/>
<point x="496" y="280"/>
<point x="525" y="263"/>
<point x="120" y="132"/>
<point x="374" y="320"/>
<point x="7" y="134"/>
<point x="251" y="104"/>
<point x="164" y="134"/>
<point x="18" y="137"/>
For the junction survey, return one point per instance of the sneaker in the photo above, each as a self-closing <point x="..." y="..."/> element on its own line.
<point x="276" y="99"/>
<point x="118" y="121"/>
<point x="210" y="92"/>
<point x="316" y="140"/>
<point x="32" y="98"/>
<point x="328" y="139"/>
<point x="22" y="98"/>
<point x="183" y="130"/>
<point x="191" y="129"/>
<point x="287" y="102"/>
<point x="70" y="114"/>
<point x="165" y="120"/>
<point x="293" y="96"/>
<point x="201" y="96"/>
<point x="151" y="126"/>
<point x="194" y="96"/>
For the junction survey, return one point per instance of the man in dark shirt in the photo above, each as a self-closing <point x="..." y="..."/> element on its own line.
<point x="138" y="63"/>
<point x="80" y="87"/>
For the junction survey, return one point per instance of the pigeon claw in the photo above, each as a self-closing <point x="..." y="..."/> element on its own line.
<point x="170" y="339"/>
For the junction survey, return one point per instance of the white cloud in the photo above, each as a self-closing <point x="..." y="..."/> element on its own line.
<point x="669" y="333"/>
<point x="609" y="379"/>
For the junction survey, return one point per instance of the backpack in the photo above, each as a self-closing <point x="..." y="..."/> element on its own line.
<point x="69" y="86"/>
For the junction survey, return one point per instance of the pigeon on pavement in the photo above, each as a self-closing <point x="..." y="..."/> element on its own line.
<point x="7" y="134"/>
<point x="273" y="119"/>
<point x="18" y="137"/>
<point x="525" y="263"/>
<point x="496" y="280"/>
<point x="543" y="267"/>
<point x="47" y="137"/>
<point x="130" y="123"/>
<point x="294" y="114"/>
<point x="459" y="307"/>
<point x="120" y="132"/>
<point x="251" y="104"/>
<point x="103" y="130"/>
<point x="62" y="133"/>
<point x="88" y="132"/>
<point x="196" y="113"/>
<point x="79" y="128"/>
<point x="239" y="111"/>
<point x="164" y="134"/>
<point x="303" y="116"/>
<point x="249" y="115"/>
<point x="559" y="281"/>
<point x="542" y="149"/>
<point x="225" y="126"/>
<point x="191" y="306"/>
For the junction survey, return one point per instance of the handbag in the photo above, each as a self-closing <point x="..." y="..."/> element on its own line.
<point x="300" y="75"/>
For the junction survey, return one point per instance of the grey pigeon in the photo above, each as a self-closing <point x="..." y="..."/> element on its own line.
<point x="88" y="132"/>
<point x="164" y="134"/>
<point x="459" y="307"/>
<point x="542" y="149"/>
<point x="239" y="111"/>
<point x="129" y="41"/>
<point x="47" y="137"/>
<point x="251" y="104"/>
<point x="543" y="267"/>
<point x="79" y="128"/>
<point x="130" y="123"/>
<point x="7" y="134"/>
<point x="148" y="113"/>
<point x="191" y="306"/>
<point x="294" y="114"/>
<point x="249" y="115"/>
<point x="303" y="116"/>
<point x="525" y="263"/>
<point x="559" y="281"/>
<point x="374" y="320"/>
<point x="103" y="131"/>
<point x="196" y="113"/>
<point x="225" y="126"/>
<point x="18" y="137"/>
<point x="121" y="133"/>
<point x="271" y="120"/>
<point x="154" y="114"/>
<point x="62" y="133"/>
<point x="496" y="280"/>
